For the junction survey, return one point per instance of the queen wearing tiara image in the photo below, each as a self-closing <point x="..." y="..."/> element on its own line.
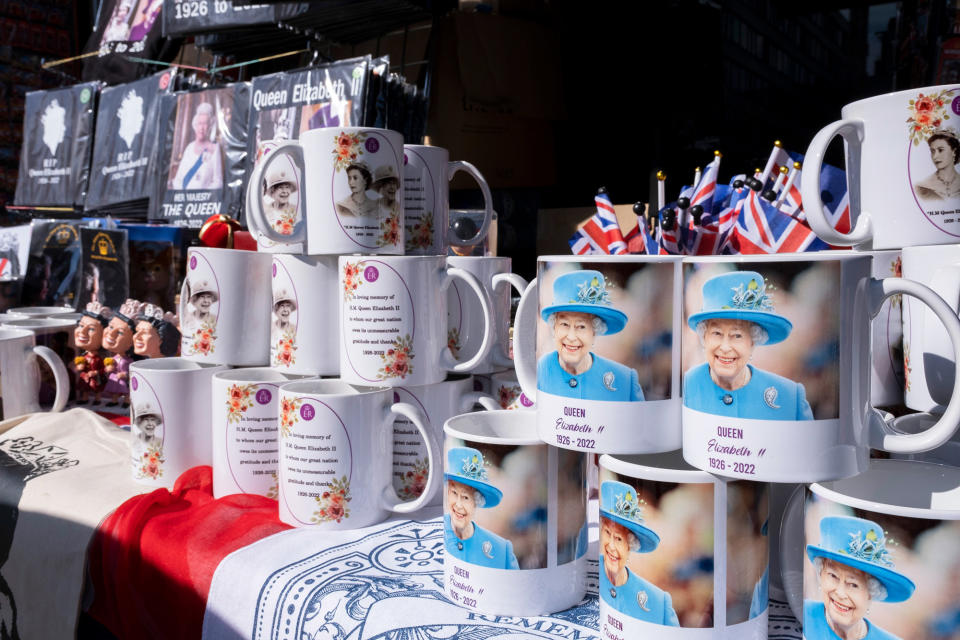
<point x="944" y="182"/>
<point x="737" y="316"/>
<point x="854" y="568"/>
<point x="582" y="310"/>
<point x="468" y="489"/>
<point x="623" y="532"/>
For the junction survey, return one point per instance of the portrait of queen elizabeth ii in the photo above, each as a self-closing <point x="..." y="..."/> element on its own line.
<point x="580" y="312"/>
<point x="737" y="316"/>
<point x="854" y="568"/>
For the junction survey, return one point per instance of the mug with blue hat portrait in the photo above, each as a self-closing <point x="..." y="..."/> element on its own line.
<point x="469" y="488"/>
<point x="622" y="531"/>
<point x="581" y="310"/>
<point x="854" y="567"/>
<point x="738" y="314"/>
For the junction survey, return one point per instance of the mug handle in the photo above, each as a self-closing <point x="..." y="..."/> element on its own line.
<point x="466" y="167"/>
<point x="852" y="133"/>
<point x="478" y="397"/>
<point x="525" y="340"/>
<point x="60" y="376"/>
<point x="257" y="217"/>
<point x="500" y="358"/>
<point x="883" y="435"/>
<point x="791" y="552"/>
<point x="486" y="305"/>
<point x="414" y="415"/>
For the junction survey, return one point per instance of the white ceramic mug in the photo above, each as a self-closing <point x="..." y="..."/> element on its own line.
<point x="225" y="307"/>
<point x="438" y="402"/>
<point x="876" y="555"/>
<point x="427" y="172"/>
<point x="777" y="366"/>
<point x="353" y="200"/>
<point x="245" y="407"/>
<point x="928" y="359"/>
<point x="683" y="553"/>
<point x="393" y="328"/>
<point x="40" y="312"/>
<point x="20" y="376"/>
<point x="901" y="152"/>
<point x="464" y="316"/>
<point x="515" y="517"/>
<point x="169" y="404"/>
<point x="53" y="333"/>
<point x="596" y="346"/>
<point x="303" y="332"/>
<point x="336" y="455"/>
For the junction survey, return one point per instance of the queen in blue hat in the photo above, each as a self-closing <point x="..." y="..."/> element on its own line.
<point x="582" y="310"/>
<point x="469" y="488"/>
<point x="622" y="531"/>
<point x="737" y="316"/>
<point x="854" y="568"/>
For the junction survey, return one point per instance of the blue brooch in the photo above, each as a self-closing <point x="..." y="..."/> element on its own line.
<point x="752" y="297"/>
<point x="593" y="292"/>
<point x="628" y="507"/>
<point x="473" y="468"/>
<point x="869" y="548"/>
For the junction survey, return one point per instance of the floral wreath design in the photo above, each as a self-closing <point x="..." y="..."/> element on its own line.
<point x="752" y="297"/>
<point x="869" y="548"/>
<point x="906" y="366"/>
<point x="507" y="394"/>
<point x="396" y="359"/>
<point x="347" y="149"/>
<point x="628" y="507"/>
<point x="284" y="349"/>
<point x="351" y="279"/>
<point x="288" y="414"/>
<point x="389" y="230"/>
<point x="593" y="292"/>
<point x="927" y="114"/>
<point x="274" y="491"/>
<point x="420" y="234"/>
<point x="415" y="480"/>
<point x="239" y="399"/>
<point x="333" y="502"/>
<point x="151" y="462"/>
<point x="203" y="339"/>
<point x="285" y="223"/>
<point x="453" y="342"/>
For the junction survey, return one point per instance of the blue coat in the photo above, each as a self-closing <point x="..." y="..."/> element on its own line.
<point x="658" y="605"/>
<point x="766" y="397"/>
<point x="761" y="595"/>
<point x="815" y="625"/>
<point x="483" y="548"/>
<point x="604" y="380"/>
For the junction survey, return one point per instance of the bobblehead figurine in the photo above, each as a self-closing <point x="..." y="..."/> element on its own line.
<point x="156" y="335"/>
<point x="88" y="335"/>
<point x="118" y="340"/>
<point x="580" y="312"/>
<point x="854" y="568"/>
<point x="467" y="489"/>
<point x="621" y="532"/>
<point x="738" y="315"/>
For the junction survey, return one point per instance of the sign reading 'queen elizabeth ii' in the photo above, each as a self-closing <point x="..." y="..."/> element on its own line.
<point x="606" y="369"/>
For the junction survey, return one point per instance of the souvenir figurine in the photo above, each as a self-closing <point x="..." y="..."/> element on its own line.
<point x="118" y="340"/>
<point x="88" y="336"/>
<point x="157" y="335"/>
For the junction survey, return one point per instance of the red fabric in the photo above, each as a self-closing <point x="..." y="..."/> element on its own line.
<point x="152" y="560"/>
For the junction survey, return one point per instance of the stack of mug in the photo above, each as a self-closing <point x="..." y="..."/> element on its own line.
<point x="329" y="359"/>
<point x="701" y="381"/>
